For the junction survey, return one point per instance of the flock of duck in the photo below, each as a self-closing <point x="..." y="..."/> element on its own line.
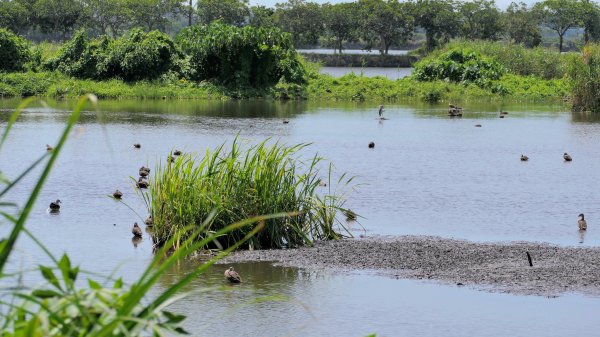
<point x="230" y="274"/>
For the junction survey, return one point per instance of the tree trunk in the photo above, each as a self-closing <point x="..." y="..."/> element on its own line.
<point x="190" y="14"/>
<point x="560" y="42"/>
<point x="430" y="40"/>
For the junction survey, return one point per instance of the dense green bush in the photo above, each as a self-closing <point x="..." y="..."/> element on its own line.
<point x="14" y="51"/>
<point x="135" y="56"/>
<point x="517" y="59"/>
<point x="461" y="66"/>
<point x="584" y="74"/>
<point x="240" y="57"/>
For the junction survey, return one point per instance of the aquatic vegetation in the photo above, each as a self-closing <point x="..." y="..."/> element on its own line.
<point x="584" y="73"/>
<point x="243" y="182"/>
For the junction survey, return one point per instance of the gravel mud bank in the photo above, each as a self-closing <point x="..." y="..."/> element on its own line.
<point x="497" y="267"/>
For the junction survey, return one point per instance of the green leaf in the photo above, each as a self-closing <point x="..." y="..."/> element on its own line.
<point x="174" y="318"/>
<point x="45" y="293"/>
<point x="48" y="274"/>
<point x="94" y="285"/>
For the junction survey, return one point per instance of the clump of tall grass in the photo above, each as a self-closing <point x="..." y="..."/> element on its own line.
<point x="584" y="74"/>
<point x="245" y="182"/>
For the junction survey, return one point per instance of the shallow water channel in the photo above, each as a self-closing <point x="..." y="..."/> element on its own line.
<point x="428" y="174"/>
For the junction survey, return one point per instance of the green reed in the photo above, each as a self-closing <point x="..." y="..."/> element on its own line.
<point x="243" y="182"/>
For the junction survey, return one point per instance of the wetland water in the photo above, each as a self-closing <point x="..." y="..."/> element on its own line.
<point x="428" y="174"/>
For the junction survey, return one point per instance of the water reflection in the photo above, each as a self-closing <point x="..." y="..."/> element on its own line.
<point x="582" y="235"/>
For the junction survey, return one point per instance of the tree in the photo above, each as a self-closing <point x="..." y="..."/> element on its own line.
<point x="109" y="15"/>
<point x="13" y="16"/>
<point x="522" y="24"/>
<point x="233" y="12"/>
<point x="59" y="16"/>
<point x="560" y="16"/>
<point x="590" y="20"/>
<point x="304" y="20"/>
<point x="341" y="23"/>
<point x="439" y="20"/>
<point x="261" y="16"/>
<point x="384" y="23"/>
<point x="481" y="19"/>
<point x="153" y="14"/>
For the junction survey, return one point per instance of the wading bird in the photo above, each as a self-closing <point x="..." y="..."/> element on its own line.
<point x="232" y="276"/>
<point x="381" y="110"/>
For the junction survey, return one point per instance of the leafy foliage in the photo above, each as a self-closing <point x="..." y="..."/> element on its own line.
<point x="240" y="57"/>
<point x="522" y="24"/>
<point x="384" y="24"/>
<point x="459" y="65"/>
<point x="14" y="51"/>
<point x="135" y="56"/>
<point x="232" y="12"/>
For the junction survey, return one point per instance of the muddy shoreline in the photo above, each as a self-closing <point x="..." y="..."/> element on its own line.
<point x="496" y="267"/>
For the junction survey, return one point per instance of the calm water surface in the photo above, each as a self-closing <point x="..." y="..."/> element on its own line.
<point x="428" y="174"/>
<point x="391" y="73"/>
<point x="351" y="51"/>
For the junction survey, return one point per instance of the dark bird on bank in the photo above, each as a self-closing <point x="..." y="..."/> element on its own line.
<point x="141" y="183"/>
<point x="137" y="145"/>
<point x="149" y="221"/>
<point x="177" y="153"/>
<point x="49" y="148"/>
<point x="136" y="230"/>
<point x="524" y="158"/>
<point x="232" y="276"/>
<point x="381" y="110"/>
<point x="581" y="222"/>
<point x="54" y="206"/>
<point x="566" y="157"/>
<point x="371" y="145"/>
<point x="118" y="194"/>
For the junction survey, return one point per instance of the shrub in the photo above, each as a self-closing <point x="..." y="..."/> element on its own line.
<point x="135" y="56"/>
<point x="240" y="57"/>
<point x="14" y="51"/>
<point x="461" y="66"/>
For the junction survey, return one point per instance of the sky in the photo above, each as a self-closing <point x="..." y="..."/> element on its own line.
<point x="502" y="4"/>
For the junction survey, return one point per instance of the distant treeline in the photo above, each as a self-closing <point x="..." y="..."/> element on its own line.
<point x="374" y="24"/>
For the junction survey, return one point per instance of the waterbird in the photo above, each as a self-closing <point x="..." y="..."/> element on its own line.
<point x="566" y="157"/>
<point x="144" y="168"/>
<point x="285" y="121"/>
<point x="118" y="194"/>
<point x="177" y="153"/>
<point x="524" y="158"/>
<point x="371" y="145"/>
<point x="143" y="173"/>
<point x="149" y="221"/>
<point x="454" y="111"/>
<point x="381" y="110"/>
<point x="137" y="145"/>
<point x="171" y="159"/>
<point x="54" y="206"/>
<point x="350" y="215"/>
<point x="49" y="148"/>
<point x="232" y="276"/>
<point x="141" y="183"/>
<point x="503" y="113"/>
<point x="581" y="222"/>
<point x="136" y="230"/>
<point x="477" y="125"/>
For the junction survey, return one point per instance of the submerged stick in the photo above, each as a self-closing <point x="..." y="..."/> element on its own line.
<point x="529" y="259"/>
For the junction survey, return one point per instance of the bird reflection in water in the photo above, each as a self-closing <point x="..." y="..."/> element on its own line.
<point x="582" y="235"/>
<point x="136" y="240"/>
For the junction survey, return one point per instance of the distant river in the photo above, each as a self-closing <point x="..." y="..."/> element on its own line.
<point x="350" y="51"/>
<point x="391" y="73"/>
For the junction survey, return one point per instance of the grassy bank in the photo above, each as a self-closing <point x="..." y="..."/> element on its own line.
<point x="350" y="87"/>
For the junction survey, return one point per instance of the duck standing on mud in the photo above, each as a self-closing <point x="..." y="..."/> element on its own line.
<point x="581" y="222"/>
<point x="136" y="230"/>
<point x="232" y="276"/>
